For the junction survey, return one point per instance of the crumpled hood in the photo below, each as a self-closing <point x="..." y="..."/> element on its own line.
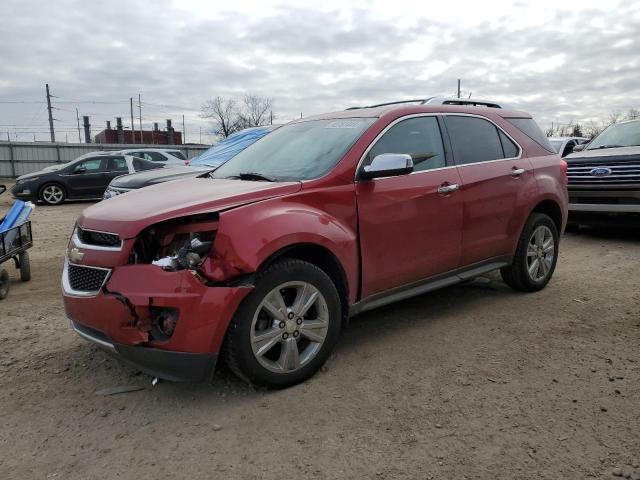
<point x="128" y="214"/>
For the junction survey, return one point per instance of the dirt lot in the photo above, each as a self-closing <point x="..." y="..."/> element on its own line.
<point x="473" y="381"/>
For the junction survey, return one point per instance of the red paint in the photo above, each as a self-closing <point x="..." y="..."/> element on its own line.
<point x="384" y="233"/>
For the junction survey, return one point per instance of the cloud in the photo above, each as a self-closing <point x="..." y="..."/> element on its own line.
<point x="559" y="63"/>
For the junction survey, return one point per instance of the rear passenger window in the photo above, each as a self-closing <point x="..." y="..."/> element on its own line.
<point x="509" y="148"/>
<point x="419" y="137"/>
<point x="474" y="139"/>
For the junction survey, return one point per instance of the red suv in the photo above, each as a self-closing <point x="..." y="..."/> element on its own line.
<point x="263" y="260"/>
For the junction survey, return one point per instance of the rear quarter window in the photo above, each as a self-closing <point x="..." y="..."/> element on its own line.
<point x="530" y="128"/>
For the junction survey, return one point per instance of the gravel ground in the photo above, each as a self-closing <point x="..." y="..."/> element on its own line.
<point x="474" y="381"/>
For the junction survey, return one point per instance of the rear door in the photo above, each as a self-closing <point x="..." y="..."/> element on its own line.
<point x="497" y="183"/>
<point x="86" y="179"/>
<point x="117" y="167"/>
<point x="408" y="230"/>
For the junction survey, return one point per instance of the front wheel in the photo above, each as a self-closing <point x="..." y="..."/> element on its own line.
<point x="52" y="194"/>
<point x="287" y="326"/>
<point x="536" y="255"/>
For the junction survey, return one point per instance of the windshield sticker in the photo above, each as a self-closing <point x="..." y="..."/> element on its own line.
<point x="351" y="123"/>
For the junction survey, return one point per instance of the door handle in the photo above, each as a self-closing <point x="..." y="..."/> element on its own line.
<point x="448" y="188"/>
<point x="516" y="172"/>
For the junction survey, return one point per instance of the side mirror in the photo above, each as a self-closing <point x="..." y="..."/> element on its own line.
<point x="578" y="148"/>
<point x="3" y="189"/>
<point x="80" y="169"/>
<point x="388" y="165"/>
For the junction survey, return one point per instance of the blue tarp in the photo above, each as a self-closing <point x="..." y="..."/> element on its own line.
<point x="12" y="216"/>
<point x="230" y="147"/>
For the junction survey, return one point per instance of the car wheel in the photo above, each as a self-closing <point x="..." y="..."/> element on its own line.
<point x="25" y="266"/>
<point x="536" y="255"/>
<point x="4" y="284"/>
<point x="287" y="326"/>
<point x="52" y="194"/>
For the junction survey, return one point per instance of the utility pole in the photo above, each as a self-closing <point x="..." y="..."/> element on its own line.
<point x="140" y="114"/>
<point x="53" y="135"/>
<point x="458" y="88"/>
<point x="78" y="119"/>
<point x="184" y="131"/>
<point x="133" y="127"/>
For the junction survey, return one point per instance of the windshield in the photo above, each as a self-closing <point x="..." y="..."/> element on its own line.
<point x="299" y="151"/>
<point x="556" y="144"/>
<point x="618" y="135"/>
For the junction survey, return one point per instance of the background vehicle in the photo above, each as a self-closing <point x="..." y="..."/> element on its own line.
<point x="325" y="217"/>
<point x="565" y="145"/>
<point x="166" y="156"/>
<point x="15" y="240"/>
<point x="208" y="161"/>
<point x="604" y="177"/>
<point x="86" y="177"/>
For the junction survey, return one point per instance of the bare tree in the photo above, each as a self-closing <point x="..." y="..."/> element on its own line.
<point x="632" y="114"/>
<point x="256" y="111"/>
<point x="614" y="117"/>
<point x="224" y="113"/>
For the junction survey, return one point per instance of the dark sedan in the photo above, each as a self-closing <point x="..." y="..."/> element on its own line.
<point x="85" y="178"/>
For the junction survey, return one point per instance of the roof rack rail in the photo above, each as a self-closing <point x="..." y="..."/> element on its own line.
<point x="476" y="102"/>
<point x="419" y="101"/>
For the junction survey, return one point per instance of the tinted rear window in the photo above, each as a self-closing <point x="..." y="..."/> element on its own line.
<point x="474" y="139"/>
<point x="177" y="154"/>
<point x="530" y="128"/>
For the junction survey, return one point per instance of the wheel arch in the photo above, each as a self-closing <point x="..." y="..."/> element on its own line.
<point x="551" y="208"/>
<point x="322" y="258"/>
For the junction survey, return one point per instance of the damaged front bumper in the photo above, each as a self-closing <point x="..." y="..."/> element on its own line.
<point x="119" y="316"/>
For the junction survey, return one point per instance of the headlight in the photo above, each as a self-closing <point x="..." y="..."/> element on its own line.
<point x="176" y="244"/>
<point x="189" y="256"/>
<point x="20" y="181"/>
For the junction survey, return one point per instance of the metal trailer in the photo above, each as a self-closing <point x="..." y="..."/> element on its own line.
<point x="14" y="244"/>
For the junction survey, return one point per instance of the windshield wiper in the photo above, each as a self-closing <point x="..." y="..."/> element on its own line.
<point x="607" y="146"/>
<point x="254" y="176"/>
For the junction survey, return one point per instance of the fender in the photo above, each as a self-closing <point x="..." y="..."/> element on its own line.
<point x="325" y="218"/>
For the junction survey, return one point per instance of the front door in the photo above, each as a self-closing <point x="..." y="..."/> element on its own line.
<point x="408" y="230"/>
<point x="86" y="179"/>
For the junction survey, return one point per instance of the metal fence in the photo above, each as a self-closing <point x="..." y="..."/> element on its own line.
<point x="20" y="158"/>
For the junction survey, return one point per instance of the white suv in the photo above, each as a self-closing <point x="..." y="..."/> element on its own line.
<point x="167" y="156"/>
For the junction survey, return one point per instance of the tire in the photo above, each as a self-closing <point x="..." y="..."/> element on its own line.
<point x="260" y="341"/>
<point x="4" y="284"/>
<point x="52" y="194"/>
<point x="25" y="266"/>
<point x="524" y="274"/>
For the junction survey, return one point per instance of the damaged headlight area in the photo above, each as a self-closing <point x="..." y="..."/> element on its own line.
<point x="178" y="244"/>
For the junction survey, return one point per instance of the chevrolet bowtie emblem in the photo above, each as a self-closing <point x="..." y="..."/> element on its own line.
<point x="75" y="255"/>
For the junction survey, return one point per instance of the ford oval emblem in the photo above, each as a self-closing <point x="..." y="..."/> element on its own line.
<point x="600" y="172"/>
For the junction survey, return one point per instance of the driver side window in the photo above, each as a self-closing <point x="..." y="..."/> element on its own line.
<point x="418" y="137"/>
<point x="93" y="165"/>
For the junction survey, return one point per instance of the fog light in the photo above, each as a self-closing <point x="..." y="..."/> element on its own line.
<point x="163" y="322"/>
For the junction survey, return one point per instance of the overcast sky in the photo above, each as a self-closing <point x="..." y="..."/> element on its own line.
<point x="561" y="61"/>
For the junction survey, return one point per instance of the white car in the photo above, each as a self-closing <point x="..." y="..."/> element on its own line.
<point x="565" y="145"/>
<point x="167" y="156"/>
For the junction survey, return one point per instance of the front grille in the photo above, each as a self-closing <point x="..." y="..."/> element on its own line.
<point x="622" y="173"/>
<point x="86" y="279"/>
<point x="100" y="239"/>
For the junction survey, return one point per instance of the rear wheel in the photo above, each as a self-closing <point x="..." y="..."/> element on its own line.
<point x="4" y="284"/>
<point x="536" y="255"/>
<point x="287" y="326"/>
<point x="25" y="266"/>
<point x="52" y="194"/>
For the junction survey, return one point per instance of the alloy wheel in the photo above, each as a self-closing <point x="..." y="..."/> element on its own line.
<point x="52" y="194"/>
<point x="540" y="253"/>
<point x="289" y="327"/>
